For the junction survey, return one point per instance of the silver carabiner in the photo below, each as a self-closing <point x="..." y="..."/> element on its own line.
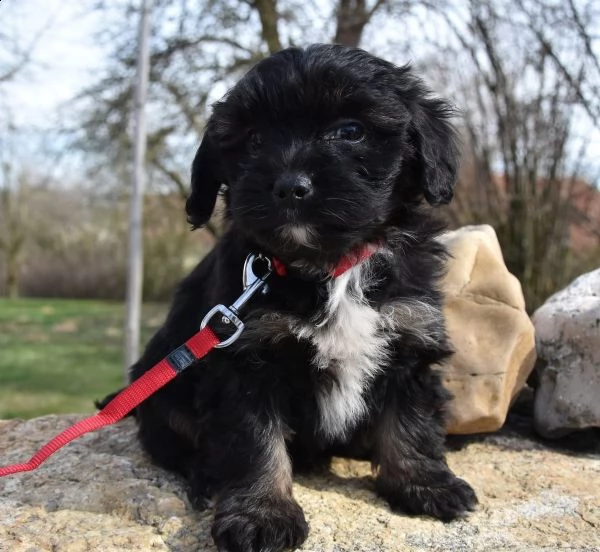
<point x="248" y="275"/>
<point x="252" y="283"/>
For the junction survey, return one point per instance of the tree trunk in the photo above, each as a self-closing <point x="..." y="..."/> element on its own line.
<point x="351" y="18"/>
<point x="135" y="260"/>
<point x="267" y="11"/>
<point x="12" y="271"/>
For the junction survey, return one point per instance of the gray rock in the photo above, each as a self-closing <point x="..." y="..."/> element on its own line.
<point x="568" y="345"/>
<point x="102" y="494"/>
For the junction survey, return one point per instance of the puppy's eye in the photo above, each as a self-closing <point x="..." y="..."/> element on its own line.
<point x="349" y="131"/>
<point x="254" y="141"/>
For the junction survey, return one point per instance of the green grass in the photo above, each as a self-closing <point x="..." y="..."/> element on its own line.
<point x="60" y="355"/>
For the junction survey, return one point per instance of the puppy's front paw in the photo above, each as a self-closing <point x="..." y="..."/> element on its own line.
<point x="447" y="499"/>
<point x="263" y="525"/>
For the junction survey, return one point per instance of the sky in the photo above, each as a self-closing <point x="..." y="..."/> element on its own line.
<point x="65" y="57"/>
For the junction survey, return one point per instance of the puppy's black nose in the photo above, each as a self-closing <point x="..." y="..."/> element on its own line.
<point x="292" y="188"/>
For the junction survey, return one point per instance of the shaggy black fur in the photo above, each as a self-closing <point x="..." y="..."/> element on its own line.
<point x="349" y="146"/>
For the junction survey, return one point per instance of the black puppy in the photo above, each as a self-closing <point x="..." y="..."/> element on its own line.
<point x="321" y="153"/>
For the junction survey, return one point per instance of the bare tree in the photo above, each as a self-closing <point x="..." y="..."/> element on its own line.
<point x="15" y="188"/>
<point x="573" y="52"/>
<point x="521" y="83"/>
<point x="19" y="53"/>
<point x="188" y="57"/>
<point x="9" y="70"/>
<point x="13" y="225"/>
<point x="524" y="167"/>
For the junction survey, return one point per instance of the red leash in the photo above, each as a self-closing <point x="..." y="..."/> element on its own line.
<point x="195" y="348"/>
<point x="181" y="358"/>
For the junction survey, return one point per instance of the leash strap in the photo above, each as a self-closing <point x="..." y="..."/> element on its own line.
<point x="198" y="346"/>
<point x="158" y="376"/>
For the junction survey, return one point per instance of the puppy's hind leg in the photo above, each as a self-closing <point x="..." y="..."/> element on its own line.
<point x="409" y="449"/>
<point x="255" y="510"/>
<point x="168" y="448"/>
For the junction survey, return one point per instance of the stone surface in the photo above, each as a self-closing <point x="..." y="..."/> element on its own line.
<point x="101" y="493"/>
<point x="489" y="328"/>
<point x="568" y="342"/>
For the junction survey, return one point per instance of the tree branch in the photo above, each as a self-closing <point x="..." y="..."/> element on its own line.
<point x="176" y="178"/>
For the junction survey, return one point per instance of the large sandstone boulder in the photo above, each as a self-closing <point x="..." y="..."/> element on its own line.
<point x="568" y="342"/>
<point x="101" y="494"/>
<point x="489" y="328"/>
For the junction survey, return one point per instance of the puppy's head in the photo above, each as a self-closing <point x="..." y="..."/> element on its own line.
<point x="322" y="149"/>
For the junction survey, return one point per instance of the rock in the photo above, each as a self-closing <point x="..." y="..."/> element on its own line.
<point x="568" y="342"/>
<point x="489" y="328"/>
<point x="101" y="493"/>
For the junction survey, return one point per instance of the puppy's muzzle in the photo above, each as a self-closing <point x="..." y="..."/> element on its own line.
<point x="292" y="190"/>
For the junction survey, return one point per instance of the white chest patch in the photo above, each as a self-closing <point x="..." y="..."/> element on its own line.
<point x="351" y="345"/>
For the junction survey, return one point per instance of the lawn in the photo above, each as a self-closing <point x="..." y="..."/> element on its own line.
<point x="60" y="355"/>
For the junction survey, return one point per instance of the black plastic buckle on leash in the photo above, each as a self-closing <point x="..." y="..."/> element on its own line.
<point x="254" y="279"/>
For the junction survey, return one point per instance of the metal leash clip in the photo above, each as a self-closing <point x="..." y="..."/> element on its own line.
<point x="252" y="283"/>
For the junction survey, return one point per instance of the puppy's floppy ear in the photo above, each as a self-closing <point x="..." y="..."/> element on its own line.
<point x="207" y="177"/>
<point x="437" y="149"/>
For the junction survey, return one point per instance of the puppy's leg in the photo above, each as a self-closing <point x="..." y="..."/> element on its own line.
<point x="165" y="441"/>
<point x="307" y="457"/>
<point x="409" y="449"/>
<point x="255" y="510"/>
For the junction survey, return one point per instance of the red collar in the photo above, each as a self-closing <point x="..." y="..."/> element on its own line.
<point x="355" y="257"/>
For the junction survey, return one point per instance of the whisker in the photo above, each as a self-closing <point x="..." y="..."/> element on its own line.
<point x="246" y="209"/>
<point x="343" y="200"/>
<point x="334" y="214"/>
